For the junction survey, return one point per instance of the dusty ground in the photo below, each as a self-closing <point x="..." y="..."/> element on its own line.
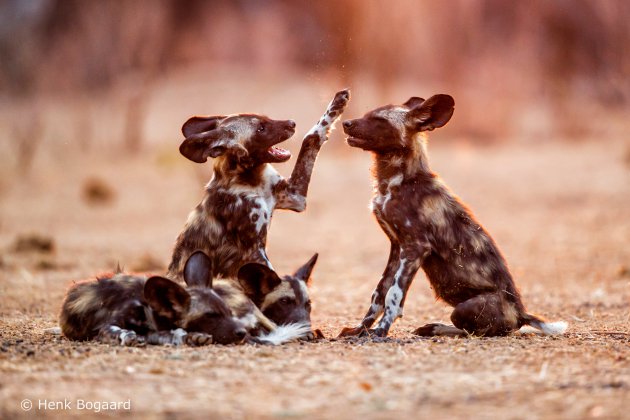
<point x="560" y="212"/>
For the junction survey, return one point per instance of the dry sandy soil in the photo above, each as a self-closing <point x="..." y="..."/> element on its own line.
<point x="560" y="212"/>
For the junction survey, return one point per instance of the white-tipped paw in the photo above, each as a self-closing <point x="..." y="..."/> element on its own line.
<point x="130" y="338"/>
<point x="179" y="335"/>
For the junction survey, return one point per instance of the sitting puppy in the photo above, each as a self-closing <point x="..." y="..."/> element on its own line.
<point x="133" y="310"/>
<point x="230" y="224"/>
<point x="429" y="227"/>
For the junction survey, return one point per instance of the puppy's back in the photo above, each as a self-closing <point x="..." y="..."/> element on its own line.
<point x="92" y="304"/>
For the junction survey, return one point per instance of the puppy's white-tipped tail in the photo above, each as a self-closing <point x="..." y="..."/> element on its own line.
<point x="53" y="331"/>
<point x="546" y="328"/>
<point x="285" y="333"/>
<point x="554" y="328"/>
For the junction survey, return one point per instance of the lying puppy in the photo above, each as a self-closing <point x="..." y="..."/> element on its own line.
<point x="133" y="310"/>
<point x="274" y="310"/>
<point x="429" y="227"/>
<point x="231" y="222"/>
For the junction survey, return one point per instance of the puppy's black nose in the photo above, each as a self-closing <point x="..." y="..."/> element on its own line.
<point x="291" y="124"/>
<point x="347" y="124"/>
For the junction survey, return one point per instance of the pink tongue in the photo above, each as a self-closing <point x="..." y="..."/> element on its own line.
<point x="278" y="152"/>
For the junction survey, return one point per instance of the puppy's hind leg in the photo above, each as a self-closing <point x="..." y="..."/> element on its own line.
<point x="486" y="315"/>
<point x="431" y="330"/>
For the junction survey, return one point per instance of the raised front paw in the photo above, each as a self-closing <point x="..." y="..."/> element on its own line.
<point x="319" y="132"/>
<point x="339" y="103"/>
<point x="197" y="339"/>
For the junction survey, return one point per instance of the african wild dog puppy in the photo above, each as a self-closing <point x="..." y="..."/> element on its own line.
<point x="230" y="224"/>
<point x="131" y="309"/>
<point x="272" y="309"/>
<point x="429" y="227"/>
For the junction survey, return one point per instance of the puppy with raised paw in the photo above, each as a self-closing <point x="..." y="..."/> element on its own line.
<point x="230" y="224"/>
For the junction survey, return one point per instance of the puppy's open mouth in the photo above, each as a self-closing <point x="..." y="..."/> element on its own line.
<point x="278" y="154"/>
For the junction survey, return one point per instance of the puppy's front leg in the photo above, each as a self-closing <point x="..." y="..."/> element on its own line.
<point x="395" y="298"/>
<point x="112" y="334"/>
<point x="291" y="194"/>
<point x="178" y="337"/>
<point x="378" y="296"/>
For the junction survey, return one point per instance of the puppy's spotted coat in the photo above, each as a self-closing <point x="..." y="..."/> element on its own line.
<point x="270" y="307"/>
<point x="429" y="227"/>
<point x="131" y="309"/>
<point x="231" y="222"/>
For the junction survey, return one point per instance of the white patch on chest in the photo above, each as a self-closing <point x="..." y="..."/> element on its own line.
<point x="270" y="177"/>
<point x="380" y="200"/>
<point x="260" y="213"/>
<point x="260" y="197"/>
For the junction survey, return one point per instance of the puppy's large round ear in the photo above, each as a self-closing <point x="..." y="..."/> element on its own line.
<point x="198" y="124"/>
<point x="304" y="273"/>
<point x="204" y="138"/>
<point x="257" y="280"/>
<point x="413" y="102"/>
<point x="167" y="298"/>
<point x="198" y="270"/>
<point x="433" y="113"/>
<point x="199" y="147"/>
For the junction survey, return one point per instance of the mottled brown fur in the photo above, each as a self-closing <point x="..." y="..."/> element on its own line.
<point x="133" y="309"/>
<point x="430" y="228"/>
<point x="231" y="222"/>
<point x="254" y="285"/>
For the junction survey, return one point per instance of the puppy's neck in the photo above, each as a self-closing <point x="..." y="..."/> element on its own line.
<point x="228" y="170"/>
<point x="410" y="162"/>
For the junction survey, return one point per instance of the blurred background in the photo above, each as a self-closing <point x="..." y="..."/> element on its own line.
<point x="129" y="72"/>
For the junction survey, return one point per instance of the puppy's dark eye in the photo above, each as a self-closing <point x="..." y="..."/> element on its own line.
<point x="261" y="128"/>
<point x="286" y="301"/>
